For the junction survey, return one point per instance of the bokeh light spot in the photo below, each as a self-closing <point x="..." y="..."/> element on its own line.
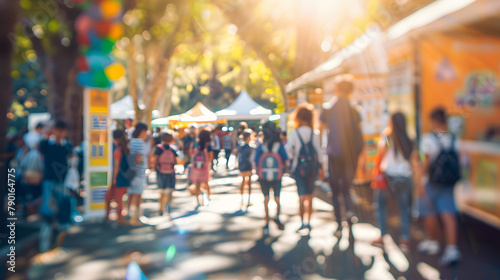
<point x="170" y="254"/>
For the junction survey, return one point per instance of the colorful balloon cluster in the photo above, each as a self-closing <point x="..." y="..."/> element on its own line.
<point x="98" y="28"/>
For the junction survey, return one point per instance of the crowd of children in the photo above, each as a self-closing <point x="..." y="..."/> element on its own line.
<point x="264" y="154"/>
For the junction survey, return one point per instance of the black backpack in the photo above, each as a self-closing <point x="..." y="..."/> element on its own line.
<point x="445" y="169"/>
<point x="307" y="162"/>
<point x="126" y="167"/>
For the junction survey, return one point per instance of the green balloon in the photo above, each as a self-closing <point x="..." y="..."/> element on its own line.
<point x="100" y="80"/>
<point x="107" y="46"/>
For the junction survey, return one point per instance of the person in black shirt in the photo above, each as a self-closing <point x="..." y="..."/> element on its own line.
<point x="345" y="146"/>
<point x="187" y="143"/>
<point x="55" y="151"/>
<point x="157" y="136"/>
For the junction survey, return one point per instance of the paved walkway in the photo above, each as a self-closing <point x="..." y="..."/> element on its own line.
<point x="222" y="241"/>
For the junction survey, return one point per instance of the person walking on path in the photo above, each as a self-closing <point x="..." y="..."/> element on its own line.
<point x="245" y="163"/>
<point x="120" y="184"/>
<point x="187" y="143"/>
<point x="395" y="149"/>
<point x="200" y="167"/>
<point x="237" y="137"/>
<point x="140" y="154"/>
<point x="157" y="136"/>
<point x="31" y="171"/>
<point x="270" y="157"/>
<point x="304" y="149"/>
<point x="441" y="171"/>
<point x="55" y="151"/>
<point x="216" y="146"/>
<point x="228" y="145"/>
<point x="344" y="147"/>
<point x="165" y="158"/>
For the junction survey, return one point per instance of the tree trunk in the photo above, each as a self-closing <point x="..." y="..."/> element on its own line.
<point x="75" y="132"/>
<point x="59" y="67"/>
<point x="132" y="80"/>
<point x="62" y="70"/>
<point x="9" y="11"/>
<point x="153" y="90"/>
<point x="165" y="99"/>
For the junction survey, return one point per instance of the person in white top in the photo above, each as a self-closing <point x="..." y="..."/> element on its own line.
<point x="33" y="138"/>
<point x="395" y="148"/>
<point x="303" y="136"/>
<point x="215" y="146"/>
<point x="139" y="152"/>
<point x="437" y="199"/>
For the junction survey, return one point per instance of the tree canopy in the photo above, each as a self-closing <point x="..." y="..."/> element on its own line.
<point x="177" y="52"/>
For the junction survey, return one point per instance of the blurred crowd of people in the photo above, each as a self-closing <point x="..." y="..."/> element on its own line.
<point x="48" y="177"/>
<point x="421" y="178"/>
<point x="48" y="169"/>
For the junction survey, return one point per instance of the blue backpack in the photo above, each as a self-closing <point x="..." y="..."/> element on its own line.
<point x="307" y="163"/>
<point x="445" y="169"/>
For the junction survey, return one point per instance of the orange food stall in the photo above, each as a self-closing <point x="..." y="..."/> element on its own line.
<point x="199" y="114"/>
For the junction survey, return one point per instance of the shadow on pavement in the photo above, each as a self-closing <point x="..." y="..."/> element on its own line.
<point x="299" y="261"/>
<point x="344" y="264"/>
<point x="263" y="252"/>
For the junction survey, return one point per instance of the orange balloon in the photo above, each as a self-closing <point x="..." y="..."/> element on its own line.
<point x="110" y="9"/>
<point x="116" y="31"/>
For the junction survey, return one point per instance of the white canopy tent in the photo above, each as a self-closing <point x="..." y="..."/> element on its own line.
<point x="198" y="114"/>
<point x="123" y="109"/>
<point x="243" y="108"/>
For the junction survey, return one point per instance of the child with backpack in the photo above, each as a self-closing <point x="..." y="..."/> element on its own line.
<point x="201" y="161"/>
<point x="436" y="190"/>
<point x="245" y="163"/>
<point x="165" y="159"/>
<point x="120" y="181"/>
<point x="304" y="148"/>
<point x="270" y="157"/>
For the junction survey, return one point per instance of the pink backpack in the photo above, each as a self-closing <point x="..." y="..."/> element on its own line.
<point x="166" y="161"/>
<point x="270" y="166"/>
<point x="199" y="173"/>
<point x="199" y="160"/>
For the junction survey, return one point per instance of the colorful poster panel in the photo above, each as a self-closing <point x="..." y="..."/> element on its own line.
<point x="98" y="189"/>
<point x="98" y="148"/>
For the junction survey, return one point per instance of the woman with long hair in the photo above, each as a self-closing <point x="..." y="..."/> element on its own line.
<point x="395" y="148"/>
<point x="119" y="184"/>
<point x="270" y="157"/>
<point x="201" y="163"/>
<point x="140" y="154"/>
<point x="304" y="149"/>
